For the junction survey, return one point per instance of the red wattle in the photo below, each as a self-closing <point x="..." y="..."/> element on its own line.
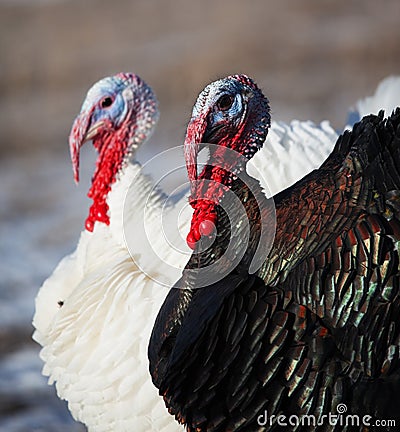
<point x="89" y="225"/>
<point x="191" y="241"/>
<point x="111" y="153"/>
<point x="203" y="221"/>
<point x="206" y="227"/>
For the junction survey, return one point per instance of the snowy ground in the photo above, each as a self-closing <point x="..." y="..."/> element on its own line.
<point x="41" y="214"/>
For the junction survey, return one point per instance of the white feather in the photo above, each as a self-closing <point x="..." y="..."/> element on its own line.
<point x="386" y="97"/>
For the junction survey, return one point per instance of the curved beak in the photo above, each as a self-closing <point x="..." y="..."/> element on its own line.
<point x="195" y="134"/>
<point x="81" y="132"/>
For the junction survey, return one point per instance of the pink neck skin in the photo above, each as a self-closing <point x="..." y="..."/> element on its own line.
<point x="112" y="150"/>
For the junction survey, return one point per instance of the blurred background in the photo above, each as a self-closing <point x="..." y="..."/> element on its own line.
<point x="313" y="58"/>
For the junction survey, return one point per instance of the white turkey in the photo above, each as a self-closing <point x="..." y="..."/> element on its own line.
<point x="95" y="313"/>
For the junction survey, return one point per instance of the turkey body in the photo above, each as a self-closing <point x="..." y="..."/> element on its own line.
<point x="314" y="330"/>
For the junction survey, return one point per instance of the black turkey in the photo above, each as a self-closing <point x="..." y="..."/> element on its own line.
<point x="300" y="316"/>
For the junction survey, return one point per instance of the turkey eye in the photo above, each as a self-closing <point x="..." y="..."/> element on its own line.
<point x="225" y="102"/>
<point x="106" y="102"/>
